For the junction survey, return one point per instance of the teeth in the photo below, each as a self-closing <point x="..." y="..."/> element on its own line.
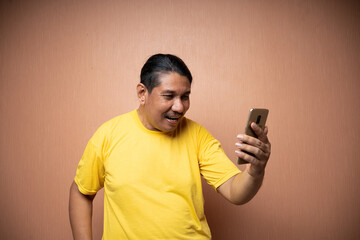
<point x="172" y="118"/>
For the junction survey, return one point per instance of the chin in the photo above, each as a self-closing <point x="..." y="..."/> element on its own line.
<point x="169" y="129"/>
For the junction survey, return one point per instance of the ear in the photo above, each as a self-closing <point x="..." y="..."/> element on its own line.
<point x="141" y="93"/>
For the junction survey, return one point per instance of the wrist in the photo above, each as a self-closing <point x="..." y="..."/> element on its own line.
<point x="255" y="173"/>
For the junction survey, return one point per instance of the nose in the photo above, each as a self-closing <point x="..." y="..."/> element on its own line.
<point x="178" y="105"/>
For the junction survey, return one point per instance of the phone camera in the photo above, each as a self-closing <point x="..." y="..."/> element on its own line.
<point x="258" y="119"/>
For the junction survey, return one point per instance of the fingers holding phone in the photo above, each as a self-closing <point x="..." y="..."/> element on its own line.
<point x="261" y="133"/>
<point x="254" y="146"/>
<point x="252" y="150"/>
<point x="261" y="142"/>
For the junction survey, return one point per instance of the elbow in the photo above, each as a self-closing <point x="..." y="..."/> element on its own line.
<point x="240" y="201"/>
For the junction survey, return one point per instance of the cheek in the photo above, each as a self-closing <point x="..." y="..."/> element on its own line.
<point x="163" y="108"/>
<point x="187" y="105"/>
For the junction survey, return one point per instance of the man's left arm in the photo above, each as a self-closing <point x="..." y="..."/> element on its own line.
<point x="243" y="187"/>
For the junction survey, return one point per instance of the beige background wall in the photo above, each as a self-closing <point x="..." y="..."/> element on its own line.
<point x="68" y="66"/>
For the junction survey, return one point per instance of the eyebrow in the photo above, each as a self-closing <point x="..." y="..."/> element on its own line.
<point x="173" y="92"/>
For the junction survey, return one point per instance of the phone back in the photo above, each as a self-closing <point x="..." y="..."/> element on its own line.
<point x="258" y="116"/>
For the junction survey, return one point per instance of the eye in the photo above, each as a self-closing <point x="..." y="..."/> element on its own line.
<point x="185" y="97"/>
<point x="168" y="96"/>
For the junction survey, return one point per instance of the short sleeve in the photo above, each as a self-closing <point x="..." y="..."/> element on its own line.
<point x="90" y="171"/>
<point x="215" y="166"/>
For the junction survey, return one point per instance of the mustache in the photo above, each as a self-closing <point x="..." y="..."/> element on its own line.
<point x="174" y="115"/>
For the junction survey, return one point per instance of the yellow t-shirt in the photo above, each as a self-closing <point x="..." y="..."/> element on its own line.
<point x="152" y="179"/>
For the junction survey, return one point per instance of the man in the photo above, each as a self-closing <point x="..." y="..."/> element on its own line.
<point x="150" y="162"/>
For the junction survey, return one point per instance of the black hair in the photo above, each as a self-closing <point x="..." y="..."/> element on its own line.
<point x="162" y="63"/>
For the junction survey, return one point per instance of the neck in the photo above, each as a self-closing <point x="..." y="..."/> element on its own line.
<point x="142" y="117"/>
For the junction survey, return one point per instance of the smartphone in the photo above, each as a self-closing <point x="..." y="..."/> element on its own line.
<point x="258" y="116"/>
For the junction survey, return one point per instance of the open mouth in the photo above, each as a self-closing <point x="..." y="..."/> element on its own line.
<point x="172" y="119"/>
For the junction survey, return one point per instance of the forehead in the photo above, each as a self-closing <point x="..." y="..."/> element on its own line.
<point x="174" y="82"/>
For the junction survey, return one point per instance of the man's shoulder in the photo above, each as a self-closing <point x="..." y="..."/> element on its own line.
<point x="197" y="128"/>
<point x="192" y="125"/>
<point x="116" y="123"/>
<point x="120" y="118"/>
